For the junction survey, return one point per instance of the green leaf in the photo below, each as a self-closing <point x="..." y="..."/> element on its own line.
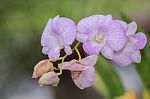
<point x="110" y="77"/>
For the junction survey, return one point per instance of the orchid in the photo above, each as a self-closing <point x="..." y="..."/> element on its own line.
<point x="58" y="34"/>
<point x="131" y="52"/>
<point x="100" y="33"/>
<point x="114" y="39"/>
<point x="82" y="71"/>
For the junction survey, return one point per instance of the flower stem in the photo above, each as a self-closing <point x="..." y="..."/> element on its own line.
<point x="60" y="72"/>
<point x="79" y="55"/>
<point x="63" y="58"/>
<point x="76" y="49"/>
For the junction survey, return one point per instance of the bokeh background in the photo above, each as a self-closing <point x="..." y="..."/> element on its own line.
<point x="21" y="25"/>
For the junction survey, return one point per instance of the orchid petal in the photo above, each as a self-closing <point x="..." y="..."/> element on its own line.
<point x="141" y="40"/>
<point x="136" y="56"/>
<point x="107" y="52"/>
<point x="116" y="39"/>
<point x="122" y="59"/>
<point x="92" y="48"/>
<point x="132" y="27"/>
<point x="50" y="78"/>
<point x="89" y="60"/>
<point x="86" y="78"/>
<point x="68" y="50"/>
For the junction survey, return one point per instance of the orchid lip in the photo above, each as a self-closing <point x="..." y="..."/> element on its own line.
<point x="99" y="38"/>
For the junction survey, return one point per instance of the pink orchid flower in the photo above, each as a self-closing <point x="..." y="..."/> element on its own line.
<point x="58" y="34"/>
<point x="131" y="52"/>
<point x="82" y="71"/>
<point x="101" y="34"/>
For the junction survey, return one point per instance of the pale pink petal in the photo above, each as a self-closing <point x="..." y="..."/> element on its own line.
<point x="104" y="26"/>
<point x="54" y="53"/>
<point x="68" y="50"/>
<point x="86" y="78"/>
<point x="52" y="47"/>
<point x="124" y="24"/>
<point x="116" y="38"/>
<point x="45" y="50"/>
<point x="50" y="78"/>
<point x="61" y="42"/>
<point x="132" y="27"/>
<point x="68" y="30"/>
<point x="82" y="37"/>
<point x="56" y="25"/>
<point x="92" y="48"/>
<point x="141" y="40"/>
<point x="46" y="33"/>
<point x="89" y="60"/>
<point x="108" y="18"/>
<point x="122" y="59"/>
<point x="136" y="56"/>
<point x="53" y="43"/>
<point x="73" y="65"/>
<point x="107" y="52"/>
<point x="90" y="24"/>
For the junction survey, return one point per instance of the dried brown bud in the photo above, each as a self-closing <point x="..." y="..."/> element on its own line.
<point x="50" y="78"/>
<point x="42" y="67"/>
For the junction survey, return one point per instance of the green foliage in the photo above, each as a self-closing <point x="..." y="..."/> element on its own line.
<point x="109" y="76"/>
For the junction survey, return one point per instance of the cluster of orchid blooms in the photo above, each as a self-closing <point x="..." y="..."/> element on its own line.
<point x="114" y="39"/>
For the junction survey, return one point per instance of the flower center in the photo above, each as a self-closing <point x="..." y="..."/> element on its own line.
<point x="99" y="38"/>
<point x="75" y="74"/>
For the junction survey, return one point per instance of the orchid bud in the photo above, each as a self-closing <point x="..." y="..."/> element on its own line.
<point x="42" y="67"/>
<point x="50" y="78"/>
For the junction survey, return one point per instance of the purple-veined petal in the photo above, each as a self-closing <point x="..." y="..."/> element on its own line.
<point x="56" y="25"/>
<point x="89" y="60"/>
<point x="124" y="24"/>
<point x="54" y="53"/>
<point x="92" y="48"/>
<point x="132" y="27"/>
<point x="141" y="40"/>
<point x="122" y="59"/>
<point x="73" y="65"/>
<point x="86" y="78"/>
<point x="61" y="42"/>
<point x="67" y="29"/>
<point x="53" y="43"/>
<point x="52" y="47"/>
<point x="136" y="56"/>
<point x="90" y="24"/>
<point x="116" y="38"/>
<point x="46" y="33"/>
<point x="107" y="52"/>
<point x="82" y="37"/>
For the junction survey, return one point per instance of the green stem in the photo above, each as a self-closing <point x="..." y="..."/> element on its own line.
<point x="76" y="49"/>
<point x="60" y="72"/>
<point x="63" y="58"/>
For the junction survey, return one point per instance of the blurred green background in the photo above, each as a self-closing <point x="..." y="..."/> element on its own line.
<point x="21" y="25"/>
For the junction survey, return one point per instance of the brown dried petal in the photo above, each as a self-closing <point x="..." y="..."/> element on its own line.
<point x="42" y="67"/>
<point x="50" y="78"/>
